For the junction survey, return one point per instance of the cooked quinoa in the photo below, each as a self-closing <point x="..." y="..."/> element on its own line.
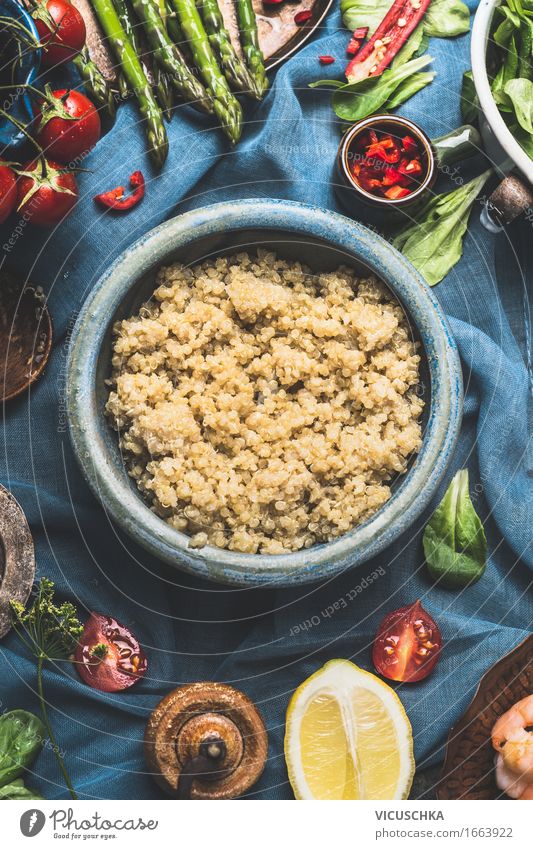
<point x="263" y="408"/>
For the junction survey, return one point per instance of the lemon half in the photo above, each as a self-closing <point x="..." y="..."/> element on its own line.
<point x="347" y="736"/>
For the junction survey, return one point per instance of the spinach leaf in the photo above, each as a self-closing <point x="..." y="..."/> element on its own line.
<point x="454" y="540"/>
<point x="443" y="18"/>
<point x="409" y="87"/>
<point x="447" y="18"/>
<point x="520" y="93"/>
<point x="18" y="790"/>
<point x="355" y="101"/>
<point x="364" y="13"/>
<point x="469" y="101"/>
<point x="21" y="737"/>
<point x="434" y="241"/>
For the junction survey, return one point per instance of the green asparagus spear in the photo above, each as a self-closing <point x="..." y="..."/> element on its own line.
<point x="163" y="91"/>
<point x="250" y="45"/>
<point x="134" y="74"/>
<point x="122" y="84"/>
<point x="94" y="81"/>
<point x="226" y="105"/>
<point x="169" y="57"/>
<point x="236" y="71"/>
<point x="132" y="30"/>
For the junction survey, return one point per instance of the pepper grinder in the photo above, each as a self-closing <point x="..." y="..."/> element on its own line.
<point x="206" y="741"/>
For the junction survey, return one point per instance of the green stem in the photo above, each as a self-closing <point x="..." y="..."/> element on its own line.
<point x="55" y="747"/>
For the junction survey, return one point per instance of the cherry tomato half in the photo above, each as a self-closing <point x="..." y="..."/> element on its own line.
<point x="46" y="197"/>
<point x="407" y="645"/>
<point x="61" y="31"/>
<point x="8" y="192"/>
<point x="108" y="656"/>
<point x="69" y="127"/>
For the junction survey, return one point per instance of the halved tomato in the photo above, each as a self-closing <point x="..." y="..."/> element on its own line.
<point x="407" y="645"/>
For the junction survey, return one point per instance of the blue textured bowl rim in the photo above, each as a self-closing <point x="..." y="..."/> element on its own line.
<point x="129" y="509"/>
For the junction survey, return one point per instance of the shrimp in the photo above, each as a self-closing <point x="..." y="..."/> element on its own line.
<point x="512" y="738"/>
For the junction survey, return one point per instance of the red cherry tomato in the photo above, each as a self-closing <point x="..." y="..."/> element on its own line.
<point x="49" y="195"/>
<point x="61" y="31"/>
<point x="69" y="127"/>
<point x="407" y="645"/>
<point x="8" y="192"/>
<point x="109" y="657"/>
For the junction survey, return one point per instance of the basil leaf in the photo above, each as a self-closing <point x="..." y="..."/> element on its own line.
<point x="446" y="18"/>
<point x="469" y="101"/>
<point x="454" y="540"/>
<point x="520" y="93"/>
<point x="21" y="737"/>
<point x="434" y="241"/>
<point x="18" y="790"/>
<point x="355" y="101"/>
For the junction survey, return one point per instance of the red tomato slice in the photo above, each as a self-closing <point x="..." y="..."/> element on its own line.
<point x="108" y="656"/>
<point x="407" y="645"/>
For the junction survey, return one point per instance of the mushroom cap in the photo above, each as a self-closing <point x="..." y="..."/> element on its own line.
<point x="17" y="558"/>
<point x="194" y="715"/>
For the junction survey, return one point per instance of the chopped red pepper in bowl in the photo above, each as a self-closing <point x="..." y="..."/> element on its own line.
<point x="388" y="159"/>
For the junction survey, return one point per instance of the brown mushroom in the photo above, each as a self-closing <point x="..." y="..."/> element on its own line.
<point x="17" y="558"/>
<point x="25" y="335"/>
<point x="206" y="741"/>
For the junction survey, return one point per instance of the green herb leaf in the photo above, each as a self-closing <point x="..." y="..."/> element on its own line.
<point x="469" y="101"/>
<point x="447" y="18"/>
<point x="48" y="629"/>
<point x="454" y="540"/>
<point x="355" y="101"/>
<point x="21" y="738"/>
<point x="434" y="241"/>
<point x="444" y="18"/>
<point x="410" y="87"/>
<point x="520" y="93"/>
<point x="18" y="790"/>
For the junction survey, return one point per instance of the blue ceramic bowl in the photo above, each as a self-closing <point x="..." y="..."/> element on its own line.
<point x="27" y="70"/>
<point x="323" y="240"/>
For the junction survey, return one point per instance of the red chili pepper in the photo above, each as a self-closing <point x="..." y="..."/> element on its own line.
<point x="303" y="17"/>
<point x="271" y="2"/>
<point x="115" y="199"/>
<point x="390" y="36"/>
<point x="358" y="36"/>
<point x="409" y="145"/>
<point x="381" y="165"/>
<point x="326" y="60"/>
<point x="396" y="192"/>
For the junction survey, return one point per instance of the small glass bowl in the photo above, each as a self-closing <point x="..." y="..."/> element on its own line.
<point x="372" y="208"/>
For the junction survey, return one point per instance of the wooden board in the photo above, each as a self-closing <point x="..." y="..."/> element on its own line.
<point x="279" y="36"/>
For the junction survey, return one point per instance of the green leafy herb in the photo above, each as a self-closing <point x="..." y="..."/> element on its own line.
<point x="444" y="18"/>
<point x="50" y="632"/>
<point x="18" y="790"/>
<point x="355" y="101"/>
<point x="21" y="738"/>
<point x="434" y="241"/>
<point x="409" y="87"/>
<point x="469" y="101"/>
<point x="454" y="540"/>
<point x="520" y="93"/>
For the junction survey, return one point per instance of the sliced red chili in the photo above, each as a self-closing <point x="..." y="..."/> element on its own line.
<point x="358" y="36"/>
<point x="326" y="60"/>
<point x="116" y="198"/>
<point x="392" y="33"/>
<point x="397" y="192"/>
<point x="381" y="165"/>
<point x="303" y="17"/>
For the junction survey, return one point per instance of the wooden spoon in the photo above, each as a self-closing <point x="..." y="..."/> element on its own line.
<point x="25" y="335"/>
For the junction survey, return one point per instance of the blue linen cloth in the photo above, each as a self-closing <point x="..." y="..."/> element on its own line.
<point x="265" y="641"/>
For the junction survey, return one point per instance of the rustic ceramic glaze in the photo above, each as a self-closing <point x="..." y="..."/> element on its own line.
<point x="295" y="231"/>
